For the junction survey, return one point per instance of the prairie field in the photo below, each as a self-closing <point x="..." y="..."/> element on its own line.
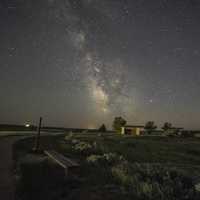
<point x="125" y="167"/>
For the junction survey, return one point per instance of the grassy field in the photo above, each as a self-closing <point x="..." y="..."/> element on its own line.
<point x="126" y="167"/>
<point x="10" y="127"/>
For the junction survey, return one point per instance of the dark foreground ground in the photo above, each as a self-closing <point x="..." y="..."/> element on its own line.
<point x="7" y="164"/>
<point x="7" y="187"/>
<point x="124" y="167"/>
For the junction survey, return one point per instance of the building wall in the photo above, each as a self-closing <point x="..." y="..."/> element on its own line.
<point x="132" y="131"/>
<point x="138" y="131"/>
<point x="123" y="130"/>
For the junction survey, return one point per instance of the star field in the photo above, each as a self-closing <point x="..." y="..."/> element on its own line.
<point x="80" y="63"/>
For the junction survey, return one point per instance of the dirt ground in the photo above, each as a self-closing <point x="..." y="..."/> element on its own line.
<point x="7" y="188"/>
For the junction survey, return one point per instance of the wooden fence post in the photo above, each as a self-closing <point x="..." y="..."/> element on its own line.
<point x="37" y="142"/>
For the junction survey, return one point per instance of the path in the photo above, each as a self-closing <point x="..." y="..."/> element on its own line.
<point x="6" y="175"/>
<point x="7" y="188"/>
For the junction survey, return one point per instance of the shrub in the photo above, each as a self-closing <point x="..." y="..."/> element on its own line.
<point x="102" y="128"/>
<point x="69" y="136"/>
<point x="187" y="134"/>
<point x="94" y="159"/>
<point x="75" y="141"/>
<point x="108" y="158"/>
<point x="122" y="174"/>
<point x="83" y="147"/>
<point x="153" y="182"/>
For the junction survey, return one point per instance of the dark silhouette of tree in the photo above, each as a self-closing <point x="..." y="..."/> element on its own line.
<point x="167" y="126"/>
<point x="102" y="128"/>
<point x="150" y="126"/>
<point x="118" y="123"/>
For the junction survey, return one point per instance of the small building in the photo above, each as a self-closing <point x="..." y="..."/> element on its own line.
<point x="132" y="130"/>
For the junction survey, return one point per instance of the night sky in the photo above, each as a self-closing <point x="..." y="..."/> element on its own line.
<point x="79" y="63"/>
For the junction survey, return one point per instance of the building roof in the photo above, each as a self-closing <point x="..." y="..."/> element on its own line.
<point x="133" y="126"/>
<point x="176" y="128"/>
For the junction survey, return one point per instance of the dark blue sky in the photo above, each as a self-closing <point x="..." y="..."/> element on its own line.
<point x="80" y="63"/>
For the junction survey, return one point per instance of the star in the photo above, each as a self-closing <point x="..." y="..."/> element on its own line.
<point x="150" y="100"/>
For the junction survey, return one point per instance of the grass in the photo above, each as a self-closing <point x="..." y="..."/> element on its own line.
<point x="9" y="127"/>
<point x="125" y="167"/>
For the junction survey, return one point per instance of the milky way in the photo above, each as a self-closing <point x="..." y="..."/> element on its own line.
<point x="80" y="63"/>
<point x="105" y="80"/>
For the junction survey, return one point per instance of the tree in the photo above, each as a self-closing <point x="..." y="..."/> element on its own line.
<point x="118" y="123"/>
<point x="167" y="126"/>
<point x="150" y="126"/>
<point x="102" y="128"/>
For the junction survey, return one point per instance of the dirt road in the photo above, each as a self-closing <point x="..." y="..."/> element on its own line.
<point x="6" y="175"/>
<point x="7" y="186"/>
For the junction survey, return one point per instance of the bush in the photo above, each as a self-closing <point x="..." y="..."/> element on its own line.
<point x="187" y="134"/>
<point x="86" y="148"/>
<point x="83" y="147"/>
<point x="94" y="159"/>
<point x="108" y="158"/>
<point x="102" y="128"/>
<point x="69" y="136"/>
<point x="122" y="174"/>
<point x="75" y="141"/>
<point x="153" y="182"/>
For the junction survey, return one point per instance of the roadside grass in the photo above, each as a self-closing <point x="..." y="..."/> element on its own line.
<point x="125" y="167"/>
<point x="7" y="127"/>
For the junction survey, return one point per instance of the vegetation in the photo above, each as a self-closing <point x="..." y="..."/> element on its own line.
<point x="118" y="123"/>
<point x="144" y="181"/>
<point x="125" y="167"/>
<point x="102" y="128"/>
<point x="167" y="126"/>
<point x="150" y="127"/>
<point x="8" y="127"/>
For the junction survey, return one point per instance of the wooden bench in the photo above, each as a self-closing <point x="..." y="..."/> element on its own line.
<point x="66" y="163"/>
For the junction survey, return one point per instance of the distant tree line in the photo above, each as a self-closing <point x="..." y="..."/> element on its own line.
<point x="150" y="126"/>
<point x="118" y="123"/>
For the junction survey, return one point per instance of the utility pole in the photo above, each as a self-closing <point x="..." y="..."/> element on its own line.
<point x="37" y="141"/>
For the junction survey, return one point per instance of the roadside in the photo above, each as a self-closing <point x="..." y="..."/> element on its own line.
<point x="26" y="133"/>
<point x="7" y="188"/>
<point x="7" y="139"/>
<point x="16" y="133"/>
